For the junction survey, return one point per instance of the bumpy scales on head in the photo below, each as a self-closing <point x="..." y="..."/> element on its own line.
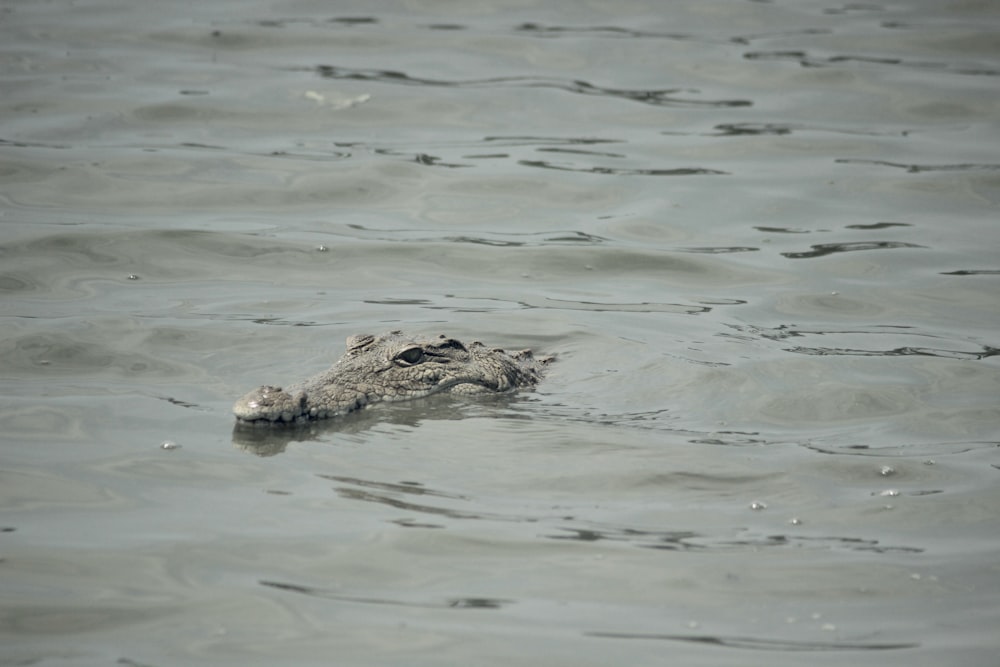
<point x="392" y="367"/>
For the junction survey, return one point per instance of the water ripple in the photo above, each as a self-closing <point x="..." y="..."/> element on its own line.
<point x="540" y="30"/>
<point x="804" y="59"/>
<point x="917" y="168"/>
<point x="457" y="151"/>
<point x="656" y="97"/>
<point x="498" y="239"/>
<point x="986" y="352"/>
<point x="684" y="540"/>
<point x="972" y="272"/>
<point x="447" y="603"/>
<point x="821" y="249"/>
<point x="617" y="32"/>
<point x="620" y="171"/>
<point x="783" y="128"/>
<point x="973" y="350"/>
<point x="757" y="643"/>
<point x="906" y="450"/>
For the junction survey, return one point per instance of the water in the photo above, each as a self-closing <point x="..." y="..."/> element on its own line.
<point x="760" y="237"/>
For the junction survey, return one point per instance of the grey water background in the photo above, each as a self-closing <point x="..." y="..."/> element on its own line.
<point x="761" y="239"/>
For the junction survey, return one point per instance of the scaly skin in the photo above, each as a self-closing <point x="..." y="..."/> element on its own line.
<point x="391" y="367"/>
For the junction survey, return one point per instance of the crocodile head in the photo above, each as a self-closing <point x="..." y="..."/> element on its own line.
<point x="391" y="367"/>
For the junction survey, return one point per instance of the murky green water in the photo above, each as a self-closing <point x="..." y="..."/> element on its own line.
<point x="760" y="237"/>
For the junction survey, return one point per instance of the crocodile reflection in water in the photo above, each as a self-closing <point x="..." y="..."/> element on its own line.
<point x="391" y="367"/>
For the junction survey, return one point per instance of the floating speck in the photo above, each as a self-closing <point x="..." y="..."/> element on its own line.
<point x="795" y="521"/>
<point x="133" y="276"/>
<point x="757" y="505"/>
<point x="169" y="444"/>
<point x="829" y="627"/>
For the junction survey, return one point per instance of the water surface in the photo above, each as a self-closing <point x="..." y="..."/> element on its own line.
<point x="760" y="238"/>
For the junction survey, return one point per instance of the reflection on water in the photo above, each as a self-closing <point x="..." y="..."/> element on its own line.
<point x="266" y="439"/>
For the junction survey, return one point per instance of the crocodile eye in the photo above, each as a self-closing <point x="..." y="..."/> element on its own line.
<point x="410" y="356"/>
<point x="450" y="343"/>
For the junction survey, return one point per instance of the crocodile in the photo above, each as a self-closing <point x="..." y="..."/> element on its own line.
<point x="391" y="367"/>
